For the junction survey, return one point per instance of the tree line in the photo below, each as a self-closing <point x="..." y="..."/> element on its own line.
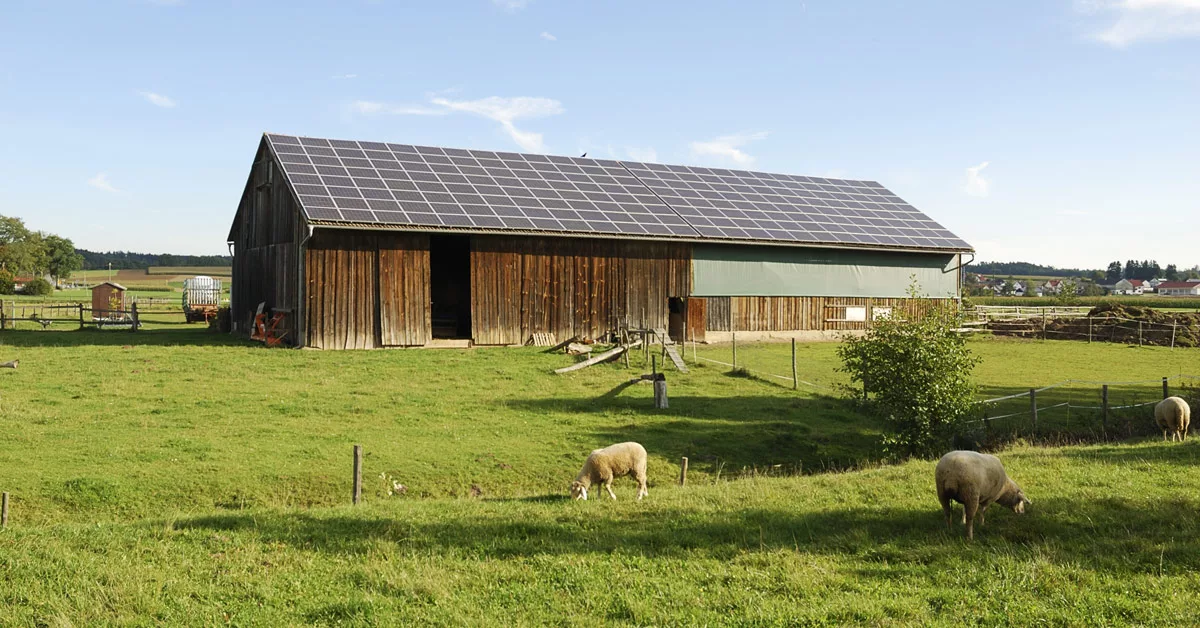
<point x="127" y="260"/>
<point x="24" y="252"/>
<point x="1116" y="271"/>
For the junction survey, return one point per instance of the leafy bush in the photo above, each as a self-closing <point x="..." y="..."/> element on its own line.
<point x="918" y="376"/>
<point x="37" y="287"/>
<point x="7" y="284"/>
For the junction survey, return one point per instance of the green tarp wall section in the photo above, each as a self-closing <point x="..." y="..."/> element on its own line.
<point x="766" y="271"/>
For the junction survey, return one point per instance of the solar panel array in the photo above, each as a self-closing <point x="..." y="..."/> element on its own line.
<point x="400" y="185"/>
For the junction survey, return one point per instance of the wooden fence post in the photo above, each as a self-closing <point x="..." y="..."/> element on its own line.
<point x="1089" y="330"/>
<point x="3" y="510"/>
<point x="683" y="471"/>
<point x="1139" y="333"/>
<point x="695" y="360"/>
<point x="1043" y="323"/>
<point x="1033" y="408"/>
<point x="136" y="322"/>
<point x="795" y="379"/>
<point x="1104" y="408"/>
<point x="733" y="335"/>
<point x="1173" y="326"/>
<point x="358" y="456"/>
<point x="660" y="392"/>
<point x="1166" y="389"/>
<point x="81" y="316"/>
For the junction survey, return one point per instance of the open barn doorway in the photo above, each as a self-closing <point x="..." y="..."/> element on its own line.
<point x="450" y="286"/>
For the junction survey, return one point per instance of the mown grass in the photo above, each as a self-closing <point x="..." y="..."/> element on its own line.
<point x="1011" y="366"/>
<point x="1111" y="539"/>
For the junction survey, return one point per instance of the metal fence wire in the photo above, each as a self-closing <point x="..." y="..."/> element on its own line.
<point x="1068" y="406"/>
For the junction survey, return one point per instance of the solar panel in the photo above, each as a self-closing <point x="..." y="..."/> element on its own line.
<point x="422" y="186"/>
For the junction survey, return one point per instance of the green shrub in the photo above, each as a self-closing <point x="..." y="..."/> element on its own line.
<point x="38" y="287"/>
<point x="7" y="284"/>
<point x="918" y="376"/>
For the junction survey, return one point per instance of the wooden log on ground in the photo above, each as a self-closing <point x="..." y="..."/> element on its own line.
<point x="607" y="355"/>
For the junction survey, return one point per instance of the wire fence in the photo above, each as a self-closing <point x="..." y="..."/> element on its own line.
<point x="1180" y="330"/>
<point x="1068" y="407"/>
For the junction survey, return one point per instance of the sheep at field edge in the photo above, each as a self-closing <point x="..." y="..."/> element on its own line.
<point x="1173" y="415"/>
<point x="976" y="480"/>
<point x="602" y="465"/>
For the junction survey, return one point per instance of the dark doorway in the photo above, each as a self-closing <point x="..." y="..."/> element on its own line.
<point x="450" y="286"/>
<point x="677" y="318"/>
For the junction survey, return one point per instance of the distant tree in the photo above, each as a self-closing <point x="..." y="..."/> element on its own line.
<point x="1091" y="289"/>
<point x="61" y="257"/>
<point x="918" y="373"/>
<point x="1006" y="288"/>
<point x="1172" y="273"/>
<point x="7" y="283"/>
<point x="1113" y="275"/>
<point x="1131" y="269"/>
<point x="1096" y="276"/>
<point x="20" y="249"/>
<point x="1068" y="293"/>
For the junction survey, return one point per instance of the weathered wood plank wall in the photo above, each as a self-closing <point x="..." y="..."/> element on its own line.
<point x="266" y="238"/>
<point x="404" y="314"/>
<point x="804" y="313"/>
<point x="367" y="290"/>
<point x="523" y="285"/>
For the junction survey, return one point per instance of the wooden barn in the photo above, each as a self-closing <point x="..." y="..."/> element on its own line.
<point x="369" y="244"/>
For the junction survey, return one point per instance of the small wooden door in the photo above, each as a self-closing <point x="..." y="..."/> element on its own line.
<point x="697" y="318"/>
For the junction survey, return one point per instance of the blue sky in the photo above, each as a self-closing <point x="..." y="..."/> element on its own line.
<point x="1055" y="131"/>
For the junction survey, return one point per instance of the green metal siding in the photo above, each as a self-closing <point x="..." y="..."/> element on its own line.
<point x="760" y="271"/>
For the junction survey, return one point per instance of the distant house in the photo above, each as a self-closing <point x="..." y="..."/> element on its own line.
<point x="1153" y="283"/>
<point x="1179" y="289"/>
<point x="1054" y="286"/>
<point x="1018" y="289"/>
<point x="1130" y="286"/>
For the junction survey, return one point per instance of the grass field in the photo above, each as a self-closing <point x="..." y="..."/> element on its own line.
<point x="1111" y="539"/>
<point x="178" y="476"/>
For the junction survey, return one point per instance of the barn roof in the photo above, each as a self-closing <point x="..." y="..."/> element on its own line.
<point x="343" y="183"/>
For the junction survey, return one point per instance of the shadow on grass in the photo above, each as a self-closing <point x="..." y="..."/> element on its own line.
<point x="1115" y="535"/>
<point x="733" y="432"/>
<point x="182" y="335"/>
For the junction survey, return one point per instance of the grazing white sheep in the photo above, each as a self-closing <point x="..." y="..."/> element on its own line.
<point x="602" y="465"/>
<point x="975" y="480"/>
<point x="1173" y="415"/>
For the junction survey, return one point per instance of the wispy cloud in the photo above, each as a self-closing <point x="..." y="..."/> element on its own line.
<point x="506" y="111"/>
<point x="548" y="37"/>
<point x="728" y="147"/>
<point x="371" y="107"/>
<point x="1127" y="22"/>
<point x="976" y="185"/>
<point x="338" y="77"/>
<point x="101" y="182"/>
<point x="158" y="100"/>
<point x="642" y="154"/>
<point x="511" y="5"/>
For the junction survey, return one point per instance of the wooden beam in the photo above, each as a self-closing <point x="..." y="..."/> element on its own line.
<point x="607" y="355"/>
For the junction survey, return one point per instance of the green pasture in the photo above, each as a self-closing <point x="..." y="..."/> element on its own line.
<point x="177" y="476"/>
<point x="1111" y="539"/>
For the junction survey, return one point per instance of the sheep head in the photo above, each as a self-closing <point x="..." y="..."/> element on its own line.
<point x="1014" y="498"/>
<point x="578" y="490"/>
